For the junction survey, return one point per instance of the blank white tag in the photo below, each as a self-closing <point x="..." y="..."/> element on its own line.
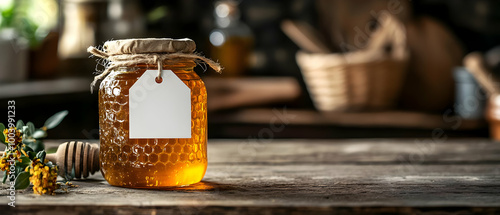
<point x="159" y="110"/>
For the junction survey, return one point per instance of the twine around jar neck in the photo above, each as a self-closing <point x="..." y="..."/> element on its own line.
<point x="123" y="60"/>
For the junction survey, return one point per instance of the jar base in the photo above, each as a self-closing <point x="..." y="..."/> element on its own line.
<point x="144" y="178"/>
<point x="155" y="187"/>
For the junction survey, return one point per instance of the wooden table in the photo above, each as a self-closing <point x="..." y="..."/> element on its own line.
<point x="249" y="176"/>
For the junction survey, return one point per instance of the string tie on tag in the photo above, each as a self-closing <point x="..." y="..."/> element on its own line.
<point x="160" y="68"/>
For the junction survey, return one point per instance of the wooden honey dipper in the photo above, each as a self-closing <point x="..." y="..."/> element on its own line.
<point x="83" y="157"/>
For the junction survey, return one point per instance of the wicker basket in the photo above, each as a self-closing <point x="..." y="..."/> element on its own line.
<point x="370" y="79"/>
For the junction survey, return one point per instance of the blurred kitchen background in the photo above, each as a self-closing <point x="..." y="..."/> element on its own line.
<point x="293" y="68"/>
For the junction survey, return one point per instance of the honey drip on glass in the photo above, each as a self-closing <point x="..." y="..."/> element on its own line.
<point x="150" y="163"/>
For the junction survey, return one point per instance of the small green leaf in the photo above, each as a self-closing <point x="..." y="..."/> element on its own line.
<point x="22" y="181"/>
<point x="72" y="173"/>
<point x="31" y="155"/>
<point x="25" y="131"/>
<point x="31" y="129"/>
<point x="39" y="133"/>
<point x="36" y="145"/>
<point x="4" y="177"/>
<point x="24" y="164"/>
<point x="19" y="124"/>
<point x="49" y="164"/>
<point x="54" y="120"/>
<point x="41" y="155"/>
<point x="28" y="140"/>
<point x="2" y="137"/>
<point x="18" y="168"/>
<point x="27" y="149"/>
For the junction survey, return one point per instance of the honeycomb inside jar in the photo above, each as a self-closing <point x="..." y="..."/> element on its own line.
<point x="150" y="163"/>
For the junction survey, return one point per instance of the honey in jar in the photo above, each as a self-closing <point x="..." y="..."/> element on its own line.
<point x="150" y="162"/>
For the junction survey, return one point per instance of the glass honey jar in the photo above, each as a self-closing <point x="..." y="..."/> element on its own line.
<point x="151" y="162"/>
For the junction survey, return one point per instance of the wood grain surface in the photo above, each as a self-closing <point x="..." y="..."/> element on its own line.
<point x="411" y="176"/>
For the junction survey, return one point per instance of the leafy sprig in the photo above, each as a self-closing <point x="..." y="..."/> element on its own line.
<point x="32" y="147"/>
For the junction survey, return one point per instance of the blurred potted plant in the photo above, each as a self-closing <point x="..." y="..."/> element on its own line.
<point x="24" y="26"/>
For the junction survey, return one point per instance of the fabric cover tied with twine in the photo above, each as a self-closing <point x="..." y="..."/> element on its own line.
<point x="130" y="52"/>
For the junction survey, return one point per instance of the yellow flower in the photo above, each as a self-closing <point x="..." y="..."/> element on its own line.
<point x="4" y="163"/>
<point x="18" y="138"/>
<point x="15" y="152"/>
<point x="43" y="178"/>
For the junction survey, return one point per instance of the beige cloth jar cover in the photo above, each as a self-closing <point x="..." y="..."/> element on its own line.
<point x="129" y="52"/>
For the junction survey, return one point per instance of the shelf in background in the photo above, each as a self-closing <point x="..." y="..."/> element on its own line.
<point x="44" y="87"/>
<point x="312" y="124"/>
<point x="395" y="119"/>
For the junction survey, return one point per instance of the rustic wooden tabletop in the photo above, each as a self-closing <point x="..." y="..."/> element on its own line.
<point x="271" y="176"/>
